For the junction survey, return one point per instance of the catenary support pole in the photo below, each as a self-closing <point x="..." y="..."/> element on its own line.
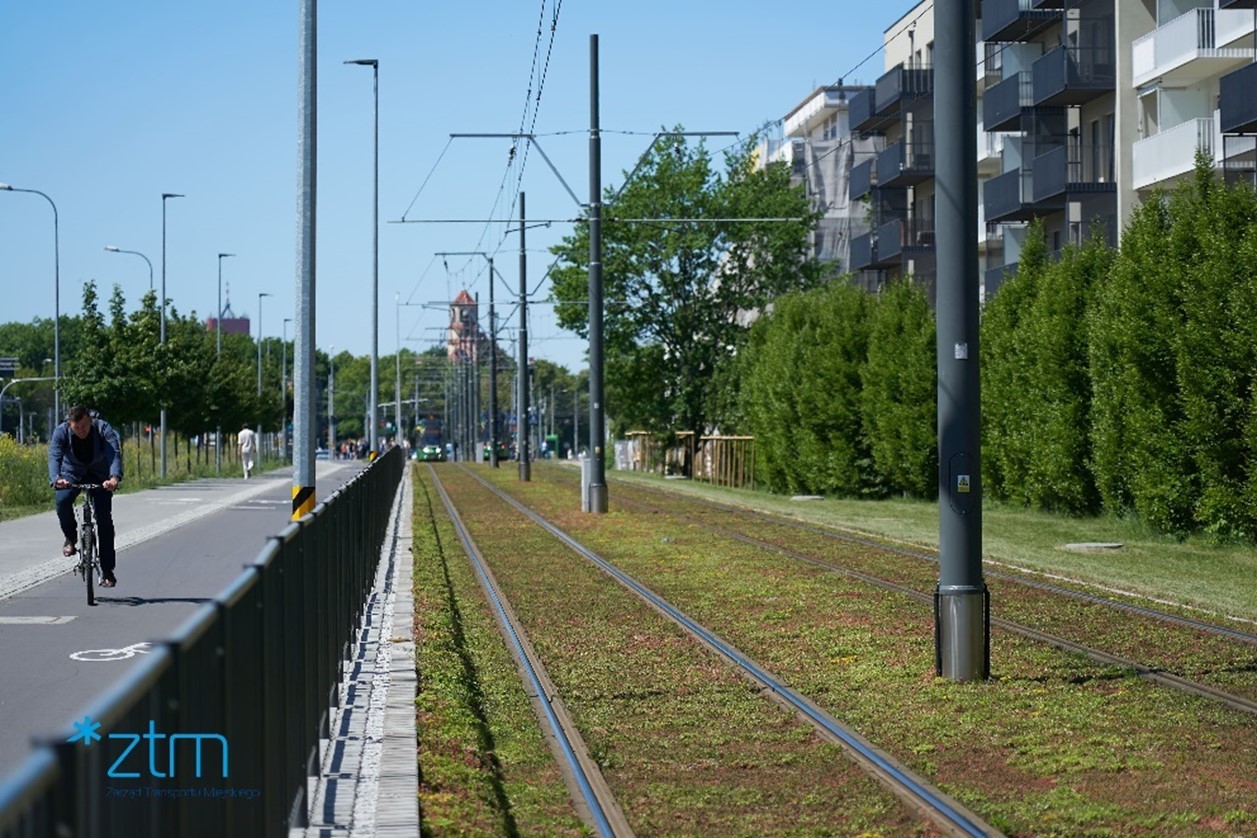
<point x="962" y="603"/>
<point x="521" y="434"/>
<point x="597" y="501"/>
<point x="493" y="375"/>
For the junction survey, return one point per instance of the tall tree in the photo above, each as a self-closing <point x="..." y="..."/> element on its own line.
<point x="690" y="253"/>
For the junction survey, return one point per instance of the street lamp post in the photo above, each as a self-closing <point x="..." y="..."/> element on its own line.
<point x="397" y="298"/>
<point x="218" y="318"/>
<point x="115" y="249"/>
<point x="331" y="401"/>
<point x="261" y="294"/>
<point x="56" y="294"/>
<point x="283" y="394"/>
<point x="374" y="64"/>
<point x="164" y="196"/>
<point x="218" y="341"/>
<point x="259" y="407"/>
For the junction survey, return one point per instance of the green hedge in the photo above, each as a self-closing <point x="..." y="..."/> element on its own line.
<point x="1121" y="382"/>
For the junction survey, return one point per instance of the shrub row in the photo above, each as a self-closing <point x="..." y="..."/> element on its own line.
<point x="1118" y="381"/>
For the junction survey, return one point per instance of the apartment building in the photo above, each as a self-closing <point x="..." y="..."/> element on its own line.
<point x="817" y="142"/>
<point x="1085" y="108"/>
<point x="895" y="186"/>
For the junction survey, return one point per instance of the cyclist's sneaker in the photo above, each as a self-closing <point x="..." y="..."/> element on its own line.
<point x="109" y="581"/>
<point x="69" y="549"/>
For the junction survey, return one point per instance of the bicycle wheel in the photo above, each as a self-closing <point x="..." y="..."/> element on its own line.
<point x="87" y="549"/>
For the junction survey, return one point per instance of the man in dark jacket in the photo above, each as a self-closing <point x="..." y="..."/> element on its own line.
<point x="86" y="450"/>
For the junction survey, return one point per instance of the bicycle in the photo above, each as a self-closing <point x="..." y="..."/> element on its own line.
<point x="89" y="563"/>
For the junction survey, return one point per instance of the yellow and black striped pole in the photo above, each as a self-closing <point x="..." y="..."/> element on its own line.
<point x="302" y="501"/>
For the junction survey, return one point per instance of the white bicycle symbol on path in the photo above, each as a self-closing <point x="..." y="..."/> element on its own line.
<point x="111" y="654"/>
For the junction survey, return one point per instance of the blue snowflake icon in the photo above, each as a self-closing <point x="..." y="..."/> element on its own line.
<point x="86" y="731"/>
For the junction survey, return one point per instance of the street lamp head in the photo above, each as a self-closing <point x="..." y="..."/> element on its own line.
<point x="225" y="255"/>
<point x="112" y="248"/>
<point x="166" y="195"/>
<point x="365" y="62"/>
<point x="6" y="187"/>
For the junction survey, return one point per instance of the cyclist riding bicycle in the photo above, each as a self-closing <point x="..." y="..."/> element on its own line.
<point x="85" y="449"/>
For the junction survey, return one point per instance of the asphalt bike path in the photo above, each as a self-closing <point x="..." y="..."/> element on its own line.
<point x="178" y="547"/>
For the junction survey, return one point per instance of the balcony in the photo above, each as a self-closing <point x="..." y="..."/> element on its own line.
<point x="1237" y="4"/>
<point x="1016" y="20"/>
<point x="1238" y="102"/>
<point x="1194" y="46"/>
<point x="1172" y="152"/>
<point x="989" y="148"/>
<point x="862" y="113"/>
<point x="1003" y="104"/>
<point x="995" y="277"/>
<point x="906" y="164"/>
<point x="1002" y="197"/>
<point x="1069" y="170"/>
<point x="903" y="238"/>
<point x="1073" y="76"/>
<point x="900" y="86"/>
<point x="862" y="179"/>
<point x="863" y="252"/>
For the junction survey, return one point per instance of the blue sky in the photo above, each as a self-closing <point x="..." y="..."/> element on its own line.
<point x="108" y="105"/>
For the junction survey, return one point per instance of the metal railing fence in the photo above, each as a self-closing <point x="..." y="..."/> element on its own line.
<point x="247" y="681"/>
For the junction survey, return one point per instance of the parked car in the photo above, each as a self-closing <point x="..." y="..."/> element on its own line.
<point x="432" y="454"/>
<point x="320" y="454"/>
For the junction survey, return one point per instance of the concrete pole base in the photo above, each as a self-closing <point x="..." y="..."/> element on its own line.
<point x="962" y="633"/>
<point x="597" y="499"/>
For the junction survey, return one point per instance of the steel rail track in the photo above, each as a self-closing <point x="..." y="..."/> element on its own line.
<point x="1159" y="676"/>
<point x="1143" y="611"/>
<point x="594" y="797"/>
<point x="949" y="815"/>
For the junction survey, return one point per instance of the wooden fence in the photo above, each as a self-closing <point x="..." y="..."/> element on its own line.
<point x="720" y="460"/>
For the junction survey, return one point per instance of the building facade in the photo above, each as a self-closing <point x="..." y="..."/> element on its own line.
<point x="1085" y="107"/>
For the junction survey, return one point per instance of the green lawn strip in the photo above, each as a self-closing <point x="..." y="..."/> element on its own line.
<point x="1195" y="572"/>
<point x="687" y="744"/>
<point x="484" y="767"/>
<point x="1214" y="660"/>
<point x="1053" y="744"/>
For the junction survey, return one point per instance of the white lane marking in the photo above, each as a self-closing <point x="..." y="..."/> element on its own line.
<point x="111" y="654"/>
<point x="35" y="621"/>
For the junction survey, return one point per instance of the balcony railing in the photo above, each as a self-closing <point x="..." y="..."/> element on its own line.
<point x="904" y="164"/>
<point x="1193" y="46"/>
<point x="862" y="179"/>
<point x="899" y="235"/>
<point x="1004" y="196"/>
<point x="1015" y="20"/>
<point x="860" y="111"/>
<point x="995" y="277"/>
<point x="1073" y="75"/>
<point x="1072" y="168"/>
<point x="1238" y="102"/>
<point x="1003" y="103"/>
<point x="863" y="252"/>
<point x="1172" y="152"/>
<point x="900" y="85"/>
